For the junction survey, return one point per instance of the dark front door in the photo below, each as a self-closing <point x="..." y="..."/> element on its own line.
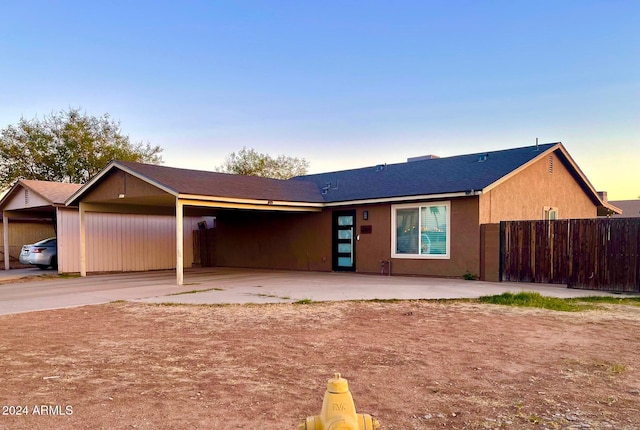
<point x="344" y="245"/>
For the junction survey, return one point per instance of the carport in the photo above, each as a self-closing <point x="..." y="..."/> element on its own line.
<point x="180" y="196"/>
<point x="36" y="210"/>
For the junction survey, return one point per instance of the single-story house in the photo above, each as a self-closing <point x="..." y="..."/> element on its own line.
<point x="421" y="217"/>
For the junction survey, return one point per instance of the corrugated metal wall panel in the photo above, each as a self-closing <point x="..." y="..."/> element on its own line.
<point x="115" y="242"/>
<point x="104" y="242"/>
<point x="134" y="247"/>
<point x="68" y="240"/>
<point x="133" y="242"/>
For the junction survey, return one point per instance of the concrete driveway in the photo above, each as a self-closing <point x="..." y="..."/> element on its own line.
<point x="20" y="291"/>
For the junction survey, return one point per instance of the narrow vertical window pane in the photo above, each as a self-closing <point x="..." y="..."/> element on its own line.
<point x="344" y="247"/>
<point x="344" y="234"/>
<point x="433" y="230"/>
<point x="345" y="261"/>
<point x="407" y="231"/>
<point x="345" y="220"/>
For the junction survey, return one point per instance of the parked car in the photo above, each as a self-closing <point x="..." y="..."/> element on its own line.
<point x="42" y="254"/>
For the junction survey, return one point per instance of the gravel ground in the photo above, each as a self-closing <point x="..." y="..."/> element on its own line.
<point x="411" y="364"/>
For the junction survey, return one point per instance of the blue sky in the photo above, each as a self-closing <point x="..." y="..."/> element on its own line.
<point x="341" y="83"/>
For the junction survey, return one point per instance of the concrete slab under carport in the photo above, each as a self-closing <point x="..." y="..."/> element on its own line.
<point x="242" y="286"/>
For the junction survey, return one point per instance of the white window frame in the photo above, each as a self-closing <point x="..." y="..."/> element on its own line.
<point x="550" y="213"/>
<point x="394" y="209"/>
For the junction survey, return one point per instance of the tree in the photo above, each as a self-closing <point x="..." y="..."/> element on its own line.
<point x="249" y="162"/>
<point x="69" y="146"/>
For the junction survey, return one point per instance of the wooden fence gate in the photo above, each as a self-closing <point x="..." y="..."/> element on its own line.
<point x="597" y="254"/>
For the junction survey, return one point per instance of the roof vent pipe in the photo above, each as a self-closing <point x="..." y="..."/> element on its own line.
<point x="422" y="158"/>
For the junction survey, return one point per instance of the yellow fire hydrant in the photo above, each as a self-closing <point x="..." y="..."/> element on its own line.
<point x="339" y="411"/>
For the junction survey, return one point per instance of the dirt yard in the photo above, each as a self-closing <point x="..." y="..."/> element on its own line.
<point x="413" y="365"/>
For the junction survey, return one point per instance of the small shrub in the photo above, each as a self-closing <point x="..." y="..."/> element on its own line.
<point x="535" y="300"/>
<point x="469" y="276"/>
<point x="303" y="302"/>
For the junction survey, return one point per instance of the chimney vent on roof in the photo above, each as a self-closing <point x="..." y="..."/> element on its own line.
<point x="381" y="167"/>
<point x="603" y="196"/>
<point x="422" y="158"/>
<point x="482" y="157"/>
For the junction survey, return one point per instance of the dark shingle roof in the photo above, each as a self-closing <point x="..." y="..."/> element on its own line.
<point x="198" y="182"/>
<point x="630" y="208"/>
<point x="433" y="176"/>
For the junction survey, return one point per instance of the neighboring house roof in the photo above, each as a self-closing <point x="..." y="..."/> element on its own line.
<point x="630" y="208"/>
<point x="181" y="182"/>
<point x="56" y="193"/>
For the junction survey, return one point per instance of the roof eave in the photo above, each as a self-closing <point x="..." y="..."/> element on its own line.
<point x="593" y="194"/>
<point x="609" y="209"/>
<point x="399" y="199"/>
<point x="260" y="202"/>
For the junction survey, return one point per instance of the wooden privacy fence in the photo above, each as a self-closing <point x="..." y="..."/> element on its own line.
<point x="598" y="254"/>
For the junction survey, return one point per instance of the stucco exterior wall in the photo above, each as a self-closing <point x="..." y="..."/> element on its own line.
<point x="465" y="246"/>
<point x="490" y="252"/>
<point x="374" y="247"/>
<point x="303" y="241"/>
<point x="524" y="196"/>
<point x="274" y="240"/>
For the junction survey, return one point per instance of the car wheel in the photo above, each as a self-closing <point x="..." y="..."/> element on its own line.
<point x="42" y="266"/>
<point x="54" y="263"/>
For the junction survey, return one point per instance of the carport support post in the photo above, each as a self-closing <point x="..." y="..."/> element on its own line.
<point x="5" y="239"/>
<point x="83" y="238"/>
<point x="179" y="241"/>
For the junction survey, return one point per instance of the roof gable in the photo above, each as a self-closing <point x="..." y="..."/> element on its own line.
<point x="47" y="192"/>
